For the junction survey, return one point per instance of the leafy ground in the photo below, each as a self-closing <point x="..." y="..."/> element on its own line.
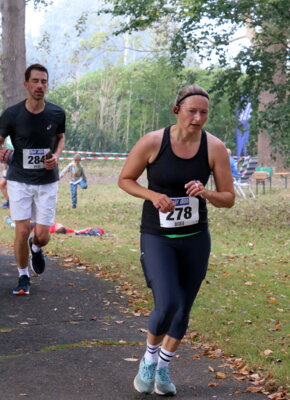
<point x="243" y="306"/>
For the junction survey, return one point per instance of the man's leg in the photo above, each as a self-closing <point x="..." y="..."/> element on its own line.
<point x="41" y="235"/>
<point x="41" y="238"/>
<point x="22" y="231"/>
<point x="3" y="188"/>
<point x="43" y="214"/>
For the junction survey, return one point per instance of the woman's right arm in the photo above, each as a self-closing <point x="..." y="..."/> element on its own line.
<point x="144" y="151"/>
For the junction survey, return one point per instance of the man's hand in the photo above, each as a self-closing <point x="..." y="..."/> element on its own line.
<point x="51" y="163"/>
<point x="5" y="154"/>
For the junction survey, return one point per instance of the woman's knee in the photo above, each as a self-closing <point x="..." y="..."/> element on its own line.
<point x="167" y="312"/>
<point x="179" y="324"/>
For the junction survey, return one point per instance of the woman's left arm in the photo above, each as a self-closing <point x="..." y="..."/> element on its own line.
<point x="224" y="195"/>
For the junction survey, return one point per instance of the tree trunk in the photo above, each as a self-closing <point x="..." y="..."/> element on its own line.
<point x="265" y="154"/>
<point x="14" y="52"/>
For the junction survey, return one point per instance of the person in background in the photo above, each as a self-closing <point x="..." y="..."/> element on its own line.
<point x="3" y="186"/>
<point x="175" y="240"/>
<point x="233" y="165"/>
<point x="36" y="128"/>
<point x="77" y="177"/>
<point x="5" y="159"/>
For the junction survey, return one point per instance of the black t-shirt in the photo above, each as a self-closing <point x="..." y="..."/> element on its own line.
<point x="32" y="136"/>
<point x="168" y="174"/>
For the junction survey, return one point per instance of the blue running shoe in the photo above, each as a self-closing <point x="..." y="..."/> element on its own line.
<point x="144" y="380"/>
<point x="5" y="204"/>
<point x="37" y="262"/>
<point x="163" y="383"/>
<point x="23" y="285"/>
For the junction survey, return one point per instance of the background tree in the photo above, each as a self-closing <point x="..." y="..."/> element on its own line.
<point x="259" y="73"/>
<point x="111" y="108"/>
<point x="13" y="49"/>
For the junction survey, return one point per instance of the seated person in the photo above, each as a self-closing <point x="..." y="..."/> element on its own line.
<point x="233" y="164"/>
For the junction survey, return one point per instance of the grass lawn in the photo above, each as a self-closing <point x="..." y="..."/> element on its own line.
<point x="243" y="306"/>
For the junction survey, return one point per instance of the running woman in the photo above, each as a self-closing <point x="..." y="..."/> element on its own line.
<point x="36" y="128"/>
<point x="175" y="240"/>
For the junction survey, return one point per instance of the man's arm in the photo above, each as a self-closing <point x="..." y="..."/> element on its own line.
<point x="51" y="163"/>
<point x="59" y="145"/>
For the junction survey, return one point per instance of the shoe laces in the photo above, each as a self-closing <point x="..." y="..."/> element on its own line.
<point x="148" y="371"/>
<point x="164" y="375"/>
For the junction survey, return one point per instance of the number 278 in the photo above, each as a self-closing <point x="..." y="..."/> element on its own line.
<point x="178" y="212"/>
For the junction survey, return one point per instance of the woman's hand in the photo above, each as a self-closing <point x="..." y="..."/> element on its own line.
<point x="162" y="202"/>
<point x="195" y="188"/>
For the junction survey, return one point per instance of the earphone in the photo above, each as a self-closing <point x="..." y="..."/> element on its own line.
<point x="175" y="109"/>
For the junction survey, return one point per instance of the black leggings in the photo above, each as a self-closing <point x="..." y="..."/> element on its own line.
<point x="174" y="270"/>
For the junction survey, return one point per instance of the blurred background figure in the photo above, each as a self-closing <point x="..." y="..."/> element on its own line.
<point x="77" y="177"/>
<point x="233" y="163"/>
<point x="3" y="186"/>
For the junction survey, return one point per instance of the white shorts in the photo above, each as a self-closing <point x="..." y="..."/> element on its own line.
<point x="35" y="202"/>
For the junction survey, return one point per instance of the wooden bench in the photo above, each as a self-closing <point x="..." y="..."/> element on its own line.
<point x="283" y="175"/>
<point x="270" y="171"/>
<point x="261" y="178"/>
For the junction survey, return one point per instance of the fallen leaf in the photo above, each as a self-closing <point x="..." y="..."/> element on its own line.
<point x="273" y="301"/>
<point x="220" y="375"/>
<point x="254" y="389"/>
<point x="213" y="384"/>
<point x="239" y="378"/>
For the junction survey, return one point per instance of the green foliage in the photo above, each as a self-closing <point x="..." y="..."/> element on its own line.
<point x="207" y="26"/>
<point x="110" y="109"/>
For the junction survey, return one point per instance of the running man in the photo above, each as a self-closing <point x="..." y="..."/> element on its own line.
<point x="36" y="128"/>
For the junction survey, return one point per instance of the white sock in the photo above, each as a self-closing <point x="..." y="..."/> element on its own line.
<point x="23" y="271"/>
<point x="151" y="354"/>
<point x="35" y="248"/>
<point x="164" y="358"/>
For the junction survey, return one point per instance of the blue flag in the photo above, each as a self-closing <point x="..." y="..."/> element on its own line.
<point x="242" y="130"/>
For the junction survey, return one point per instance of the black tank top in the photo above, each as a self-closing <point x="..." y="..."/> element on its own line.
<point x="168" y="174"/>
